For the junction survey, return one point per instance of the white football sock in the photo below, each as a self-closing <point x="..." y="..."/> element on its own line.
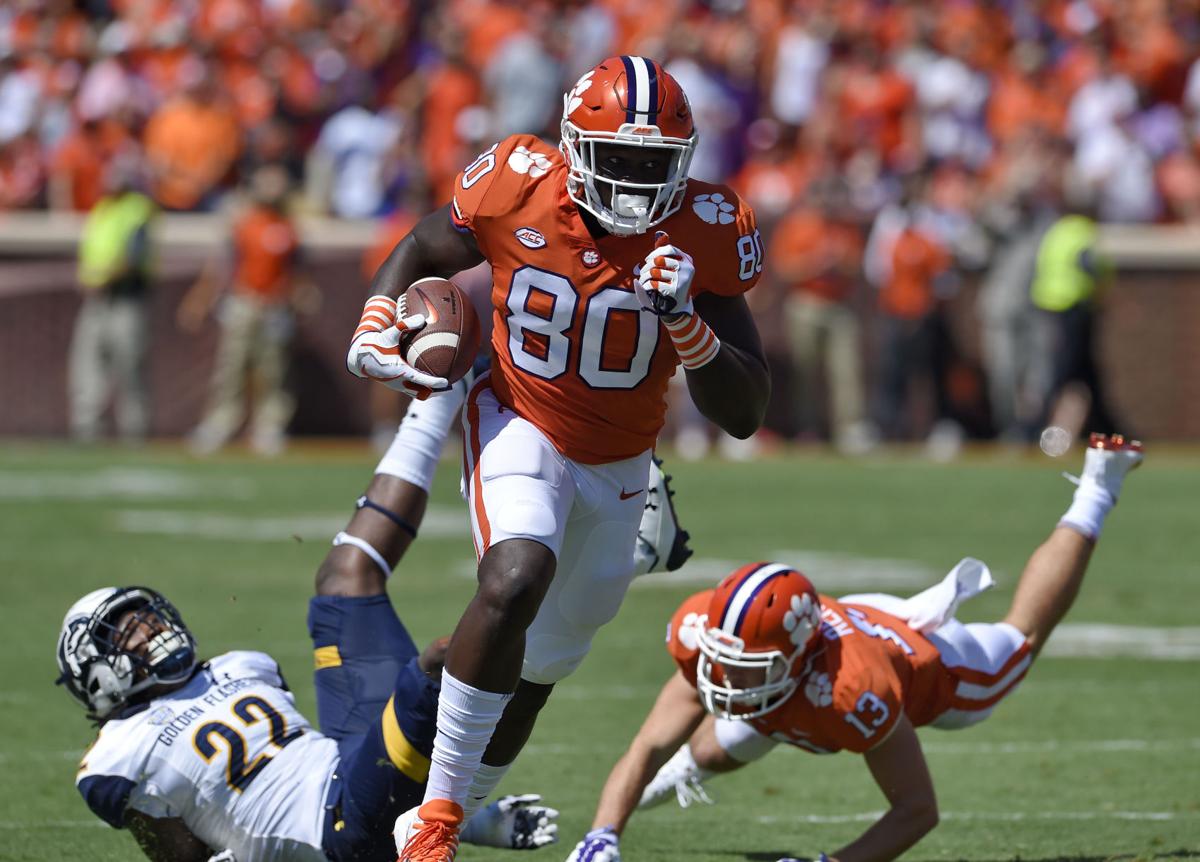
<point x="1088" y="510"/>
<point x="418" y="444"/>
<point x="466" y="719"/>
<point x="485" y="781"/>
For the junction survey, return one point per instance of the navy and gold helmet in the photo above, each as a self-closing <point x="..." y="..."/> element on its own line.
<point x="119" y="641"/>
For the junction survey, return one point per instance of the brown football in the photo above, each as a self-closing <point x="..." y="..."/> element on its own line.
<point x="447" y="344"/>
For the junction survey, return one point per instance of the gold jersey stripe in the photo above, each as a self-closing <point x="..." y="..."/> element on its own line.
<point x="327" y="656"/>
<point x="400" y="751"/>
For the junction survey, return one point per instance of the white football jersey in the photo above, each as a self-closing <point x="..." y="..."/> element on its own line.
<point x="228" y="754"/>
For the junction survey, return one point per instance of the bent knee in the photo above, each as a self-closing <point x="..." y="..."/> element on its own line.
<point x="347" y="571"/>
<point x="514" y="577"/>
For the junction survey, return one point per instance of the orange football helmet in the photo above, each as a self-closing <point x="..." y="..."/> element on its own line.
<point x="630" y="101"/>
<point x="761" y="620"/>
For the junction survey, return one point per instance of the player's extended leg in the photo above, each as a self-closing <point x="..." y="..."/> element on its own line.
<point x="360" y="643"/>
<point x="1054" y="573"/>
<point x="520" y="495"/>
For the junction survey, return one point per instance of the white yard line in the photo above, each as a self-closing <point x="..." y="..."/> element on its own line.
<point x="1094" y="640"/>
<point x="120" y="482"/>
<point x="441" y="522"/>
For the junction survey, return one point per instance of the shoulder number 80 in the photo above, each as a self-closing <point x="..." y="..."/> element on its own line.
<point x="750" y="255"/>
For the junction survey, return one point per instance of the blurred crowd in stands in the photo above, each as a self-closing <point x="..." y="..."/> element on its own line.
<point x="895" y="144"/>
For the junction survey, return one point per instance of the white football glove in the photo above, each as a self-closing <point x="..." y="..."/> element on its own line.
<point x="664" y="283"/>
<point x="223" y="856"/>
<point x="375" y="349"/>
<point x="599" y="845"/>
<point x="514" y="823"/>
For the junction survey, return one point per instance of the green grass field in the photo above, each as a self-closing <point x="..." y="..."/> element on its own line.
<point x="1095" y="757"/>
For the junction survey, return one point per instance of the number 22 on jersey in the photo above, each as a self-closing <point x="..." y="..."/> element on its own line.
<point x="211" y="736"/>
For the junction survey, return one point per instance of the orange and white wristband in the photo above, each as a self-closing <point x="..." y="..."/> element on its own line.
<point x="378" y="314"/>
<point x="696" y="344"/>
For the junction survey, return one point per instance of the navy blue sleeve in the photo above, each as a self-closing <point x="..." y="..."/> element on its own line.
<point x="107" y="796"/>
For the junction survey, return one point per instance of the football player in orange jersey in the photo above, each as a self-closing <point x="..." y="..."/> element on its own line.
<point x="609" y="268"/>
<point x="764" y="659"/>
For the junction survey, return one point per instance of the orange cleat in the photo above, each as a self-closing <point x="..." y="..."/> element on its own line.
<point x="1107" y="461"/>
<point x="429" y="833"/>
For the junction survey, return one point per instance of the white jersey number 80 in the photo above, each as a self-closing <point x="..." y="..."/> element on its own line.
<point x="540" y="345"/>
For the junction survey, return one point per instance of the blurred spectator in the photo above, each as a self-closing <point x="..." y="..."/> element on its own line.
<point x="800" y="57"/>
<point x="452" y="88"/>
<point x="22" y="172"/>
<point x="346" y="169"/>
<point x="191" y="144"/>
<point x="76" y="182"/>
<point x="523" y="81"/>
<point x="916" y="279"/>
<point x="112" y="85"/>
<point x="1015" y="347"/>
<point x="1179" y="184"/>
<point x="1068" y="285"/>
<point x="816" y="254"/>
<point x="20" y="94"/>
<point x="108" y="349"/>
<point x="1102" y="101"/>
<point x="260" y="286"/>
<point x="1117" y="170"/>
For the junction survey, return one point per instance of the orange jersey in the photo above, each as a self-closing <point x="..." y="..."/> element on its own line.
<point x="573" y="352"/>
<point x="868" y="668"/>
<point x="265" y="246"/>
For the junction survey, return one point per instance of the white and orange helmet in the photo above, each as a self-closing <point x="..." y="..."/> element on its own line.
<point x="631" y="101"/>
<point x="761" y="621"/>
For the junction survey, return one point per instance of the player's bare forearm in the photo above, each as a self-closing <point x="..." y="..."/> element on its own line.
<point x="673" y="718"/>
<point x="432" y="248"/>
<point x="899" y="768"/>
<point x="166" y="839"/>
<point x="732" y="391"/>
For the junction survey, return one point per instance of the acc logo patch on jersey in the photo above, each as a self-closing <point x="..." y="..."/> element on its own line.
<point x="591" y="257"/>
<point x="713" y="209"/>
<point x="525" y="161"/>
<point x="529" y="237"/>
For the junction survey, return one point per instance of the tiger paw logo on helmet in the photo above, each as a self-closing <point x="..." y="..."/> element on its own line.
<point x="819" y="689"/>
<point x="713" y="209"/>
<point x="525" y="161"/>
<point x="689" y="631"/>
<point x="802" y="618"/>
<point x="575" y="97"/>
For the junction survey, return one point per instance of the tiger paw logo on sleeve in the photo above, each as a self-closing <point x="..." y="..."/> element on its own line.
<point x="526" y="161"/>
<point x="714" y="209"/>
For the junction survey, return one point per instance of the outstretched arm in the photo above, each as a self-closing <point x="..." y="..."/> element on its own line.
<point x="672" y="719"/>
<point x="899" y="768"/>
